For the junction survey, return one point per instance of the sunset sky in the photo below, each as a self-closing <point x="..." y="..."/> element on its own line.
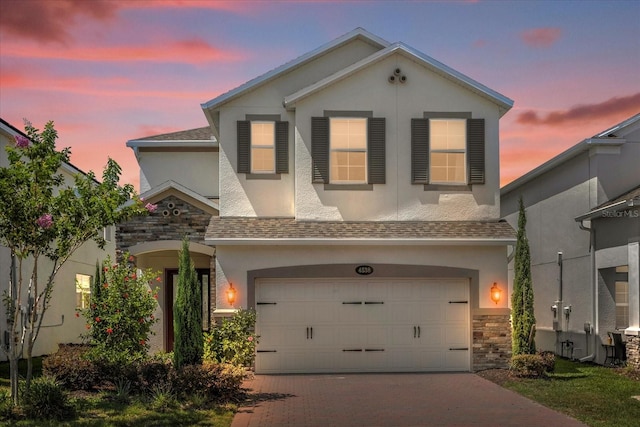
<point x="107" y="71"/>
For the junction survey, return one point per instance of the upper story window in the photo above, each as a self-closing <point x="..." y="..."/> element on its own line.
<point x="448" y="151"/>
<point x="263" y="147"/>
<point x="447" y="148"/>
<point x="348" y="150"/>
<point x="83" y="291"/>
<point x="348" y="146"/>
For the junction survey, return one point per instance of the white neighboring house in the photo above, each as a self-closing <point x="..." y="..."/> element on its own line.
<point x="71" y="289"/>
<point x="585" y="204"/>
<point x="351" y="197"/>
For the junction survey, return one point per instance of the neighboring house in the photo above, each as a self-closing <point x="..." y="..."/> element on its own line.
<point x="584" y="203"/>
<point x="71" y="290"/>
<point x="357" y="210"/>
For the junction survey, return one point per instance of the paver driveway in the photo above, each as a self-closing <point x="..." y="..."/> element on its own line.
<point x="431" y="399"/>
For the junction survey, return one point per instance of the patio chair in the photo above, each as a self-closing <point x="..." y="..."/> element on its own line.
<point x="620" y="348"/>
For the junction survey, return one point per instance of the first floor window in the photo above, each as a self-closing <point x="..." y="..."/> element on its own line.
<point x="348" y="150"/>
<point x="83" y="291"/>
<point x="622" y="297"/>
<point x="263" y="147"/>
<point x="448" y="141"/>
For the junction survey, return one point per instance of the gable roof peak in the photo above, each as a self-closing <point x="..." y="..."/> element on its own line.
<point x="358" y="33"/>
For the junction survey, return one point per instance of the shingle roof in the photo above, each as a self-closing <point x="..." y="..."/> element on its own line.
<point x="622" y="202"/>
<point x="198" y="134"/>
<point x="241" y="230"/>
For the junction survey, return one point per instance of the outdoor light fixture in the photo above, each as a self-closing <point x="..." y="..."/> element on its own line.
<point x="496" y="293"/>
<point x="231" y="294"/>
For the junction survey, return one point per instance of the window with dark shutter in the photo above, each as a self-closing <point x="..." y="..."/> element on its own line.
<point x="282" y="147"/>
<point x="476" y="151"/>
<point x="420" y="151"/>
<point x="320" y="149"/>
<point x="376" y="155"/>
<point x="244" y="146"/>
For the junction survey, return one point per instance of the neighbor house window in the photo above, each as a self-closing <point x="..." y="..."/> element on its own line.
<point x="348" y="150"/>
<point x="83" y="291"/>
<point x="448" y="141"/>
<point x="263" y="147"/>
<point x="622" y="297"/>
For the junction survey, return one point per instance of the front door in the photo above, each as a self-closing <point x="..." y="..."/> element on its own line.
<point x="171" y="291"/>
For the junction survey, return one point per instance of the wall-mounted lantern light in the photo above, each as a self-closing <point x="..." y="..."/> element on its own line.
<point x="496" y="293"/>
<point x="231" y="294"/>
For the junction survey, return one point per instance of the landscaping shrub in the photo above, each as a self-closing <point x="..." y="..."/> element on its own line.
<point x="233" y="341"/>
<point x="71" y="367"/>
<point x="549" y="361"/>
<point x="528" y="365"/>
<point x="152" y="372"/>
<point x="163" y="398"/>
<point x="216" y="382"/>
<point x="6" y="405"/>
<point x="47" y="399"/>
<point x="120" y="316"/>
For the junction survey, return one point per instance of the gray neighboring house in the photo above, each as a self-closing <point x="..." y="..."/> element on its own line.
<point x="583" y="225"/>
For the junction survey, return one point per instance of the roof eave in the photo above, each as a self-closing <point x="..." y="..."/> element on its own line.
<point x="289" y="66"/>
<point x="504" y="104"/>
<point x="361" y="241"/>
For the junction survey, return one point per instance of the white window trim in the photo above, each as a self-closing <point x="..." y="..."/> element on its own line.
<point x="348" y="150"/>
<point x="272" y="147"/>
<point x="449" y="151"/>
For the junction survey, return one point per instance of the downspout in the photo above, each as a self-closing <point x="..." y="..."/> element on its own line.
<point x="594" y="288"/>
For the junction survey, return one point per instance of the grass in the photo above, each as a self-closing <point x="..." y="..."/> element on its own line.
<point x="105" y="409"/>
<point x="593" y="394"/>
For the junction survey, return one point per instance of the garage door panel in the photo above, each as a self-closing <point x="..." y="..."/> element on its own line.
<point x="373" y="325"/>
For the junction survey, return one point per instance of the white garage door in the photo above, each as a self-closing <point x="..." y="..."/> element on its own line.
<point x="349" y="325"/>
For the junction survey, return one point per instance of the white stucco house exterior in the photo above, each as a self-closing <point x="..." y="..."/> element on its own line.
<point x="351" y="197"/>
<point x="583" y="225"/>
<point x="71" y="289"/>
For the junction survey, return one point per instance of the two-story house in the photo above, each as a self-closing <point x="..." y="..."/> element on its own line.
<point x="583" y="225"/>
<point x="357" y="210"/>
<point x="72" y="284"/>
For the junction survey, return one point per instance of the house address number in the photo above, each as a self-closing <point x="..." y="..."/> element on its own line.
<point x="364" y="270"/>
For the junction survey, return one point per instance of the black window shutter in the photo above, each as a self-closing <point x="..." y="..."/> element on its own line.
<point x="475" y="150"/>
<point x="420" y="151"/>
<point x="376" y="155"/>
<point x="320" y="149"/>
<point x="282" y="147"/>
<point x="244" y="146"/>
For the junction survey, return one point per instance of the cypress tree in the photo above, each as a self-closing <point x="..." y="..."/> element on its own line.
<point x="522" y="313"/>
<point x="187" y="313"/>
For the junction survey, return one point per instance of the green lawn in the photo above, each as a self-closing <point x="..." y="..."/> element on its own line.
<point x="593" y="394"/>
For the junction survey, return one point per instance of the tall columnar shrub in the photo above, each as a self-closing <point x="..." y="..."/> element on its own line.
<point x="120" y="316"/>
<point x="44" y="219"/>
<point x="522" y="313"/>
<point x="187" y="313"/>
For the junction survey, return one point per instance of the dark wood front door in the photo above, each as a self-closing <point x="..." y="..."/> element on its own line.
<point x="170" y="292"/>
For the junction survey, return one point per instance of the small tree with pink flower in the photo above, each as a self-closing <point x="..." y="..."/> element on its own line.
<point x="44" y="218"/>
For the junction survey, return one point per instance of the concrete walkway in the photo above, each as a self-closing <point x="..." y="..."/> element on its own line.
<point x="433" y="399"/>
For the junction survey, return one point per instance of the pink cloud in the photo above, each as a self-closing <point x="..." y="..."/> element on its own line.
<point x="48" y="21"/>
<point x="191" y="51"/>
<point x="540" y="37"/>
<point x="617" y="106"/>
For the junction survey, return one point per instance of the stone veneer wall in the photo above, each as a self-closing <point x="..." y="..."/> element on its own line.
<point x="191" y="221"/>
<point x="491" y="341"/>
<point x="156" y="226"/>
<point x="633" y="351"/>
